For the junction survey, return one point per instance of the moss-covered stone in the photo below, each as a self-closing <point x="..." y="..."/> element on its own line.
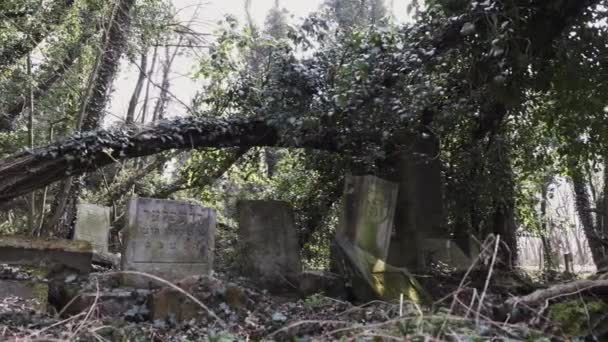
<point x="575" y="316"/>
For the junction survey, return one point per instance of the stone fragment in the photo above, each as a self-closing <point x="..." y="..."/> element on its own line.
<point x="168" y="239"/>
<point x="269" y="243"/>
<point x="50" y="254"/>
<point x="93" y="225"/>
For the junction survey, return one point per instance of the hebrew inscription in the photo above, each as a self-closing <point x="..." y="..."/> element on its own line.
<point x="169" y="238"/>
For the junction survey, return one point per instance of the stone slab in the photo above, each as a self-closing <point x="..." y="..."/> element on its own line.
<point x="16" y="250"/>
<point x="368" y="213"/>
<point x="168" y="239"/>
<point x="268" y="242"/>
<point x="93" y="225"/>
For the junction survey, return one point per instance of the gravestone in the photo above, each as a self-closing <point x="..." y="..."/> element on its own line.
<point x="368" y="212"/>
<point x="362" y="241"/>
<point x="93" y="225"/>
<point x="269" y="242"/>
<point x="168" y="239"/>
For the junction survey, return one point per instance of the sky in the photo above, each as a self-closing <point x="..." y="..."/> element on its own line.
<point x="204" y="15"/>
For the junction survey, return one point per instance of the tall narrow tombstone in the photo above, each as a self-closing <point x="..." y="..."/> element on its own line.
<point x="363" y="238"/>
<point x="169" y="239"/>
<point x="269" y="242"/>
<point x="93" y="225"/>
<point x="368" y="212"/>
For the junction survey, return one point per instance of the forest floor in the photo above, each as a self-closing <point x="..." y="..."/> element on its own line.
<point x="464" y="310"/>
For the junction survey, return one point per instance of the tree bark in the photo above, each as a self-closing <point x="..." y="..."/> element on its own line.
<point x="550" y="264"/>
<point x="583" y="207"/>
<point x="115" y="45"/>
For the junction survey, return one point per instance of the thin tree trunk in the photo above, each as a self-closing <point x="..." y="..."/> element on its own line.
<point x="30" y="127"/>
<point x="548" y="255"/>
<point x="161" y="104"/>
<point x="130" y="118"/>
<point x="149" y="76"/>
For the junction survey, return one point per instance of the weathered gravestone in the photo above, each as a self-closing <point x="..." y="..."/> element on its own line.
<point x="269" y="242"/>
<point x="368" y="212"/>
<point x="363" y="238"/>
<point x="168" y="239"/>
<point x="93" y="225"/>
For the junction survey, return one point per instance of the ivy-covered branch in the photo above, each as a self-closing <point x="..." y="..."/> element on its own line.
<point x="30" y="170"/>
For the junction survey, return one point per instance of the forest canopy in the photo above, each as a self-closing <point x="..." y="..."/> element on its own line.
<point x="498" y="97"/>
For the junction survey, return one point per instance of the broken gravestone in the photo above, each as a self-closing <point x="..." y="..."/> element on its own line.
<point x="93" y="225"/>
<point x="368" y="212"/>
<point x="168" y="239"/>
<point x="269" y="242"/>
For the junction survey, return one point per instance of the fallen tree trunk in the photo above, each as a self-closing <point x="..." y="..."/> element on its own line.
<point x="30" y="170"/>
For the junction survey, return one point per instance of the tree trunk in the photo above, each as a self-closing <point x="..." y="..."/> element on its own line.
<point x="161" y="103"/>
<point x="92" y="111"/>
<point x="583" y="207"/>
<point x="115" y="44"/>
<point x="550" y="264"/>
<point x="90" y="151"/>
<point x="144" y="108"/>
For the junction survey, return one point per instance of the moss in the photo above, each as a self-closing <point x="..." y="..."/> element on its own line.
<point x="41" y="295"/>
<point x="574" y="316"/>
